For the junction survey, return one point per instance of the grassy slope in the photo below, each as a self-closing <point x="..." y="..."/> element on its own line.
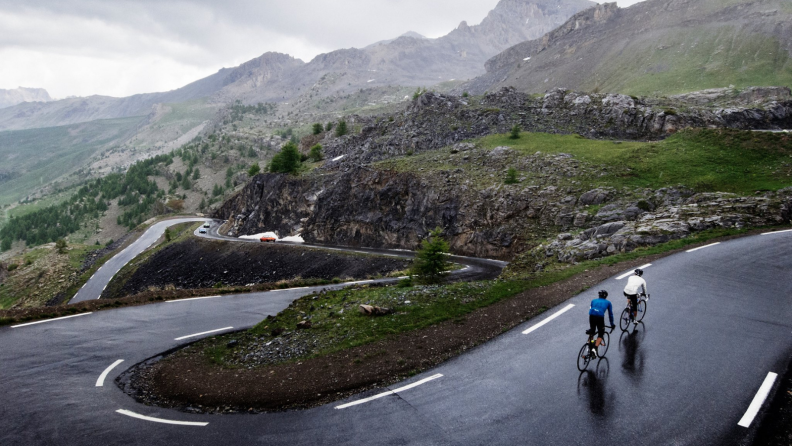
<point x="39" y="156"/>
<point x="692" y="59"/>
<point x="705" y="160"/>
<point x="41" y="274"/>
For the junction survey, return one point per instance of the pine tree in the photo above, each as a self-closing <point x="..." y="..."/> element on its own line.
<point x="431" y="261"/>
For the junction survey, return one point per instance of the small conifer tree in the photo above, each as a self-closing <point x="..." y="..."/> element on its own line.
<point x="431" y="261"/>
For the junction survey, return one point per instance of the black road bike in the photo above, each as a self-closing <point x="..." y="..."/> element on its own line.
<point x="626" y="318"/>
<point x="589" y="351"/>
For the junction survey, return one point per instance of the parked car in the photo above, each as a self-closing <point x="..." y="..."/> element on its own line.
<point x="268" y="239"/>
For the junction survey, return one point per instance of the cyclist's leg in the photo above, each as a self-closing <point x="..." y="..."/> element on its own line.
<point x="634" y="305"/>
<point x="593" y="327"/>
<point x="600" y="324"/>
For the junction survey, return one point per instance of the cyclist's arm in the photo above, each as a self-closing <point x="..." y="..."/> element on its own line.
<point x="610" y="313"/>
<point x="645" y="291"/>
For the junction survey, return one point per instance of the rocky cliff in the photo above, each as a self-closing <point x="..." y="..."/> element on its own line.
<point x="353" y="200"/>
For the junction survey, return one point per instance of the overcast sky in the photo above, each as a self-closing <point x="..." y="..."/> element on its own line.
<point x="123" y="47"/>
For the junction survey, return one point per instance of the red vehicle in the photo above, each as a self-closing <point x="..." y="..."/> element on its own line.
<point x="268" y="239"/>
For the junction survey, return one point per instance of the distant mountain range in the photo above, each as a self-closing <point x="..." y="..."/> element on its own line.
<point x="410" y="60"/>
<point x="655" y="47"/>
<point x="19" y="95"/>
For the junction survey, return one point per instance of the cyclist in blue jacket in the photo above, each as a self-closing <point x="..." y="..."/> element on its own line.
<point x="597" y="316"/>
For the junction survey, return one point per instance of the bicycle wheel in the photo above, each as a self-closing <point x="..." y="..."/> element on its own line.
<point x="603" y="348"/>
<point x="624" y="319"/>
<point x="641" y="310"/>
<point x="583" y="358"/>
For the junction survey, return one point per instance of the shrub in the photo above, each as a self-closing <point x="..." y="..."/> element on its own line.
<point x="515" y="132"/>
<point x="465" y="94"/>
<point x="341" y="129"/>
<point x="329" y="126"/>
<point x="12" y="266"/>
<point x="254" y="169"/>
<point x="431" y="261"/>
<point x="60" y="245"/>
<point x="511" y="176"/>
<point x="5" y="245"/>
<point x="316" y="152"/>
<point x="317" y="128"/>
<point x="287" y="160"/>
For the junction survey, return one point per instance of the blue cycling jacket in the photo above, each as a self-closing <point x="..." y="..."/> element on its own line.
<point x="598" y="307"/>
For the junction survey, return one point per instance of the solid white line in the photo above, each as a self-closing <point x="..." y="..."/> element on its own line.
<point x="777" y="232"/>
<point x="50" y="320"/>
<point x="758" y="400"/>
<point x="559" y="313"/>
<point x="390" y="392"/>
<point x="631" y="272"/>
<point x="702" y="247"/>
<point x="199" y="334"/>
<point x="192" y="298"/>
<point x="159" y="420"/>
<point x="100" y="381"/>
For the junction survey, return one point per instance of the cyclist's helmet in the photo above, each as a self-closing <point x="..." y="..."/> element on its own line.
<point x="639" y="272"/>
<point x="603" y="294"/>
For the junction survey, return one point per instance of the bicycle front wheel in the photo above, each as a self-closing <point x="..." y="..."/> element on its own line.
<point x="641" y="310"/>
<point x="583" y="358"/>
<point x="624" y="319"/>
<point x="603" y="348"/>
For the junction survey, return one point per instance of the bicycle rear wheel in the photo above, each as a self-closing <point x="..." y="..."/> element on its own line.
<point x="583" y="358"/>
<point x="624" y="319"/>
<point x="641" y="310"/>
<point x="603" y="348"/>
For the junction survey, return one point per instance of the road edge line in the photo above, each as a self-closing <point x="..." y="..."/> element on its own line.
<point x="51" y="320"/>
<point x="101" y="379"/>
<point x="129" y="413"/>
<point x="555" y="315"/>
<point x="758" y="400"/>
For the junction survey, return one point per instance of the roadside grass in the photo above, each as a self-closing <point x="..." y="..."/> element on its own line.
<point x="338" y="325"/>
<point x="733" y="161"/>
<point x="42" y="272"/>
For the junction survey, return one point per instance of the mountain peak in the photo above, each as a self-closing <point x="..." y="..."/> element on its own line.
<point x="19" y="95"/>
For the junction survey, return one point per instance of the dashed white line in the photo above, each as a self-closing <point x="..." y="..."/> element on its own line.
<point x="629" y="273"/>
<point x="129" y="413"/>
<point x="192" y="298"/>
<point x="559" y="313"/>
<point x="100" y="381"/>
<point x="758" y="400"/>
<point x="50" y="320"/>
<point x="777" y="232"/>
<point x="203" y="333"/>
<point x="390" y="392"/>
<point x="702" y="247"/>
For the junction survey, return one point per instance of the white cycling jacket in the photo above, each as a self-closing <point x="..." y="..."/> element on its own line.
<point x="634" y="284"/>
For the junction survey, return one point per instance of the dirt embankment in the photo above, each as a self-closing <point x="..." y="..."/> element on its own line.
<point x="199" y="263"/>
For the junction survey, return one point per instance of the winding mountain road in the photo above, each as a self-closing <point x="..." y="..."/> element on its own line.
<point x="718" y="323"/>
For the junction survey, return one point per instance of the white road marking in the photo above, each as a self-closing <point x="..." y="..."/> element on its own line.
<point x="159" y="420"/>
<point x="633" y="271"/>
<point x="758" y="400"/>
<point x="777" y="232"/>
<point x="559" y="313"/>
<point x="390" y="392"/>
<point x="100" y="381"/>
<point x="50" y="320"/>
<point x="702" y="247"/>
<point x="203" y="333"/>
<point x="192" y="298"/>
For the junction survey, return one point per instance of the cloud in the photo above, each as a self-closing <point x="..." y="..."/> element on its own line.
<point x="122" y="47"/>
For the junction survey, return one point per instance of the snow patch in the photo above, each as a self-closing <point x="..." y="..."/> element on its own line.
<point x="527" y="58"/>
<point x="258" y="236"/>
<point x="293" y="239"/>
<point x="337" y="158"/>
<point x="370" y="80"/>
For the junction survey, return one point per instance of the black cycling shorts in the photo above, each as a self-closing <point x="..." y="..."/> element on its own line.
<point x="633" y="300"/>
<point x="598" y="323"/>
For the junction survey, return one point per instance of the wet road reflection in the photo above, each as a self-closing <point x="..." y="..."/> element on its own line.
<point x="592" y="386"/>
<point x="633" y="357"/>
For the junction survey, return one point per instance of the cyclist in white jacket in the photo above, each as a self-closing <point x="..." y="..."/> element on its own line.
<point x="635" y="286"/>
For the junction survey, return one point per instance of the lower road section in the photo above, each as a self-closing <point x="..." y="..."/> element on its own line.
<point x="694" y="372"/>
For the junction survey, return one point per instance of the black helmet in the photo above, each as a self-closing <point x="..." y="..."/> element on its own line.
<point x="603" y="294"/>
<point x="639" y="272"/>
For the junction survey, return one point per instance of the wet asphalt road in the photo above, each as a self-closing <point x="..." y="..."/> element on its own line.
<point x="719" y="320"/>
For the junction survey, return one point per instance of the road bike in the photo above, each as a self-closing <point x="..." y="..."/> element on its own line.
<point x="626" y="317"/>
<point x="589" y="352"/>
